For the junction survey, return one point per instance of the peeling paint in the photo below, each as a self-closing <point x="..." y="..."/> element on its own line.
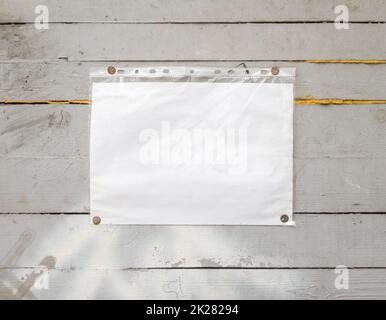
<point x="30" y="279"/>
<point x="178" y="264"/>
<point x="209" y="263"/>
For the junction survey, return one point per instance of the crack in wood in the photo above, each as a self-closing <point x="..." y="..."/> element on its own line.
<point x="297" y="101"/>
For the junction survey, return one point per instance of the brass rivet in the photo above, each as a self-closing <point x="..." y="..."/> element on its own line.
<point x="284" y="218"/>
<point x="96" y="220"/>
<point x="111" y="70"/>
<point x="275" y="71"/>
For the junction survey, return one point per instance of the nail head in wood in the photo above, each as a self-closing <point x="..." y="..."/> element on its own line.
<point x="111" y="70"/>
<point x="284" y="218"/>
<point x="96" y="220"/>
<point x="275" y="71"/>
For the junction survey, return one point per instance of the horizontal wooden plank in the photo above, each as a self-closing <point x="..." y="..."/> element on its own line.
<point x="70" y="81"/>
<point x="96" y="42"/>
<point x="318" y="241"/>
<point x="61" y="131"/>
<point x="44" y="158"/>
<point x="190" y="11"/>
<point x="52" y="185"/>
<point x="189" y="284"/>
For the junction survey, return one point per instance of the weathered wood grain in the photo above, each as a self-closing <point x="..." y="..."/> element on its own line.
<point x="44" y="158"/>
<point x="317" y="241"/>
<point x="96" y="42"/>
<point x="191" y="284"/>
<point x="33" y="185"/>
<point x="340" y="152"/>
<point x="70" y="81"/>
<point x="132" y="11"/>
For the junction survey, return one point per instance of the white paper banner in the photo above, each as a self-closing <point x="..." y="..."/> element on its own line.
<point x="191" y="153"/>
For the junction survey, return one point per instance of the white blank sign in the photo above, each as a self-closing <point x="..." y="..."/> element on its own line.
<point x="191" y="153"/>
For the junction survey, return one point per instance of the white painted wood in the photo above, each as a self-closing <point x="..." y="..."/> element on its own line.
<point x="38" y="178"/>
<point x="191" y="284"/>
<point x="321" y="185"/>
<point x="70" y="81"/>
<point x="44" y="185"/>
<point x="318" y="240"/>
<point x="339" y="153"/>
<point x="95" y="42"/>
<point x="44" y="158"/>
<point x="190" y="11"/>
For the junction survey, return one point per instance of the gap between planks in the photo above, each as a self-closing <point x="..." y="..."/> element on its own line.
<point x="189" y="268"/>
<point x="298" y="101"/>
<point x="241" y="62"/>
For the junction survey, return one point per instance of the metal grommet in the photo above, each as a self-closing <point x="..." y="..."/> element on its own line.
<point x="284" y="218"/>
<point x="111" y="70"/>
<point x="96" y="220"/>
<point x="275" y="71"/>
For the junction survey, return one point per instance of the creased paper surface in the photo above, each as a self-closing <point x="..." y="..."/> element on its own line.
<point x="191" y="153"/>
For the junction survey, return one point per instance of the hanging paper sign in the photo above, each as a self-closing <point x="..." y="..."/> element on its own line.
<point x="192" y="146"/>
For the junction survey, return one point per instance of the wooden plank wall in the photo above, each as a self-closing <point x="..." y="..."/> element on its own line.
<point x="340" y="150"/>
